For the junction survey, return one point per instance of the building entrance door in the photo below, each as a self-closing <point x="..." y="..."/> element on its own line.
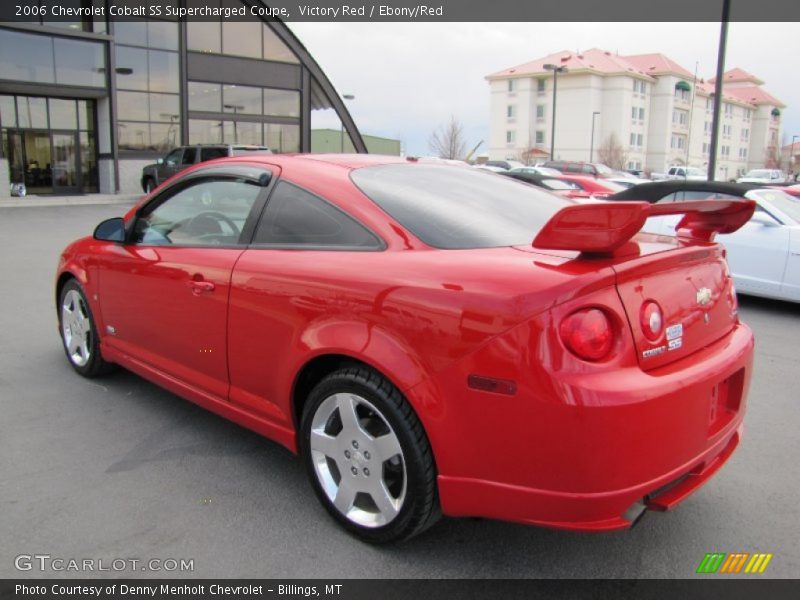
<point x="66" y="174"/>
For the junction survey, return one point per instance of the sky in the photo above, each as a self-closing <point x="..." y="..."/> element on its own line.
<point x="409" y="78"/>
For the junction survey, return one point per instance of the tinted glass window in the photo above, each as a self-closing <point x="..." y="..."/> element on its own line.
<point x="33" y="57"/>
<point x="240" y="99"/>
<point x="188" y="156"/>
<point x="63" y="114"/>
<point x="212" y="153"/>
<point x="448" y="207"/>
<point x="80" y="63"/>
<point x="208" y="213"/>
<point x="205" y="96"/>
<point x="174" y="157"/>
<point x="296" y="217"/>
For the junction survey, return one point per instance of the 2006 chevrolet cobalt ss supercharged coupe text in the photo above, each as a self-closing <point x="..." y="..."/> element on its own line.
<point x="430" y="339"/>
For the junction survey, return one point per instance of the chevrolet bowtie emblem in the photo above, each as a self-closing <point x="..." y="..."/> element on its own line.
<point x="703" y="296"/>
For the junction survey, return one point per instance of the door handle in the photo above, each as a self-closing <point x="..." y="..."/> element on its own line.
<point x="201" y="287"/>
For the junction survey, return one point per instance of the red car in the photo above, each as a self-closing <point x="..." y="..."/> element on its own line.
<point x="599" y="188"/>
<point x="429" y="339"/>
<point x="793" y="190"/>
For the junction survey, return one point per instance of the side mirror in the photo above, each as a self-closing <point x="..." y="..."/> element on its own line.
<point x="762" y="218"/>
<point x="110" y="230"/>
<point x="159" y="161"/>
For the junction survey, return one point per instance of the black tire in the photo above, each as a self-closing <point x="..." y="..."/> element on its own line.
<point x="88" y="364"/>
<point x="420" y="504"/>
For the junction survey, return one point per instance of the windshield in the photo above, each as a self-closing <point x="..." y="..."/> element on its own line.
<point x="604" y="170"/>
<point x="458" y="208"/>
<point x="788" y="205"/>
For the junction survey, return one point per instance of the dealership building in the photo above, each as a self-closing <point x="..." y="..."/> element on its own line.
<point x="85" y="104"/>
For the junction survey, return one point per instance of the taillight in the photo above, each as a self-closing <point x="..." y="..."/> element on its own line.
<point x="652" y="320"/>
<point x="588" y="333"/>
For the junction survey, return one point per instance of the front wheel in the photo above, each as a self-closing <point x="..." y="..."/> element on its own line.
<point x="79" y="333"/>
<point x="368" y="458"/>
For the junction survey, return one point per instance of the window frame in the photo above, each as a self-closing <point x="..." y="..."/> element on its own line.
<point x="380" y="245"/>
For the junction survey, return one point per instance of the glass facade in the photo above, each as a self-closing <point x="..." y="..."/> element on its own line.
<point x="148" y="84"/>
<point x="241" y="82"/>
<point x="45" y="59"/>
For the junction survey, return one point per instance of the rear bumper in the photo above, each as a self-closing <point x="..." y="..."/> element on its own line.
<point x="605" y="511"/>
<point x="591" y="452"/>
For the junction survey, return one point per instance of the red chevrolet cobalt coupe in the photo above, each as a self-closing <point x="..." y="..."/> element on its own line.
<point x="429" y="339"/>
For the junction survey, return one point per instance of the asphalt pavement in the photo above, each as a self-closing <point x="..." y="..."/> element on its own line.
<point x="118" y="468"/>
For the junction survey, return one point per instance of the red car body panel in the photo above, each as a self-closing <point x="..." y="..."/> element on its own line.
<point x="578" y="443"/>
<point x="591" y="185"/>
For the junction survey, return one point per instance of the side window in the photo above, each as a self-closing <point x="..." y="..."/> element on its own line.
<point x="667" y="199"/>
<point x="189" y="156"/>
<point x="296" y="217"/>
<point x="174" y="157"/>
<point x="207" y="213"/>
<point x="212" y="153"/>
<point x="588" y="169"/>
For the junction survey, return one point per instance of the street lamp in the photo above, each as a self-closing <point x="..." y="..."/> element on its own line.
<point x="556" y="70"/>
<point x="341" y="124"/>
<point x="591" y="143"/>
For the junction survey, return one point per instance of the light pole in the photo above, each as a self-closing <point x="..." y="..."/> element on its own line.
<point x="556" y="70"/>
<point x="341" y="124"/>
<point x="591" y="143"/>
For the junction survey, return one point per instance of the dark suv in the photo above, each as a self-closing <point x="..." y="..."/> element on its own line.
<point x="186" y="156"/>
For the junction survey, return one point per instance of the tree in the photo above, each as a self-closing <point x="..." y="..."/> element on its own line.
<point x="448" y="141"/>
<point x="612" y="153"/>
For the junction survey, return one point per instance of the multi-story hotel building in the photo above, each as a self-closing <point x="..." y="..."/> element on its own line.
<point x="659" y="112"/>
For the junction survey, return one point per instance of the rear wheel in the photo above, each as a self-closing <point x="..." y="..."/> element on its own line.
<point x="78" y="332"/>
<point x="368" y="458"/>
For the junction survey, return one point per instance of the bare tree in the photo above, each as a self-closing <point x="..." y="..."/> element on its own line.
<point x="772" y="157"/>
<point x="612" y="153"/>
<point x="448" y="141"/>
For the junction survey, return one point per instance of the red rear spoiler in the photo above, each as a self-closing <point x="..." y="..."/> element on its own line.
<point x="603" y="227"/>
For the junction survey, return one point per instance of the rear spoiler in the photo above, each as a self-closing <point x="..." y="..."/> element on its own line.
<point x="603" y="227"/>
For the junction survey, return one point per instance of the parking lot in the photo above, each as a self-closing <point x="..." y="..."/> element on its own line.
<point x="117" y="468"/>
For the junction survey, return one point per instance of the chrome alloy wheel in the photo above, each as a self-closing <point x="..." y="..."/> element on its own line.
<point x="76" y="328"/>
<point x="358" y="460"/>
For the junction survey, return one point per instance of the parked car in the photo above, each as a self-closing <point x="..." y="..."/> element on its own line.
<point x="569" y="167"/>
<point x="430" y="340"/>
<point x="598" y="188"/>
<point x="627" y="182"/>
<point x="685" y="173"/>
<point x="185" y="156"/>
<point x="490" y="168"/>
<point x="504" y="164"/>
<point x="792" y="190"/>
<point x="636" y="172"/>
<point x="766" y="176"/>
<point x="764" y="255"/>
<point x="561" y="187"/>
<point x="536" y="171"/>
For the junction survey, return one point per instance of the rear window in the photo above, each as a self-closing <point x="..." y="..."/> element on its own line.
<point x="454" y="208"/>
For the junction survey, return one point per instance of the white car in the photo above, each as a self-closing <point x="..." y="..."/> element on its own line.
<point x="686" y="173"/>
<point x="628" y="182"/>
<point x="537" y="171"/>
<point x="763" y="176"/>
<point x="764" y="255"/>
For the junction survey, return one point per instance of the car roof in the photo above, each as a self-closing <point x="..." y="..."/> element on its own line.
<point x="656" y="190"/>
